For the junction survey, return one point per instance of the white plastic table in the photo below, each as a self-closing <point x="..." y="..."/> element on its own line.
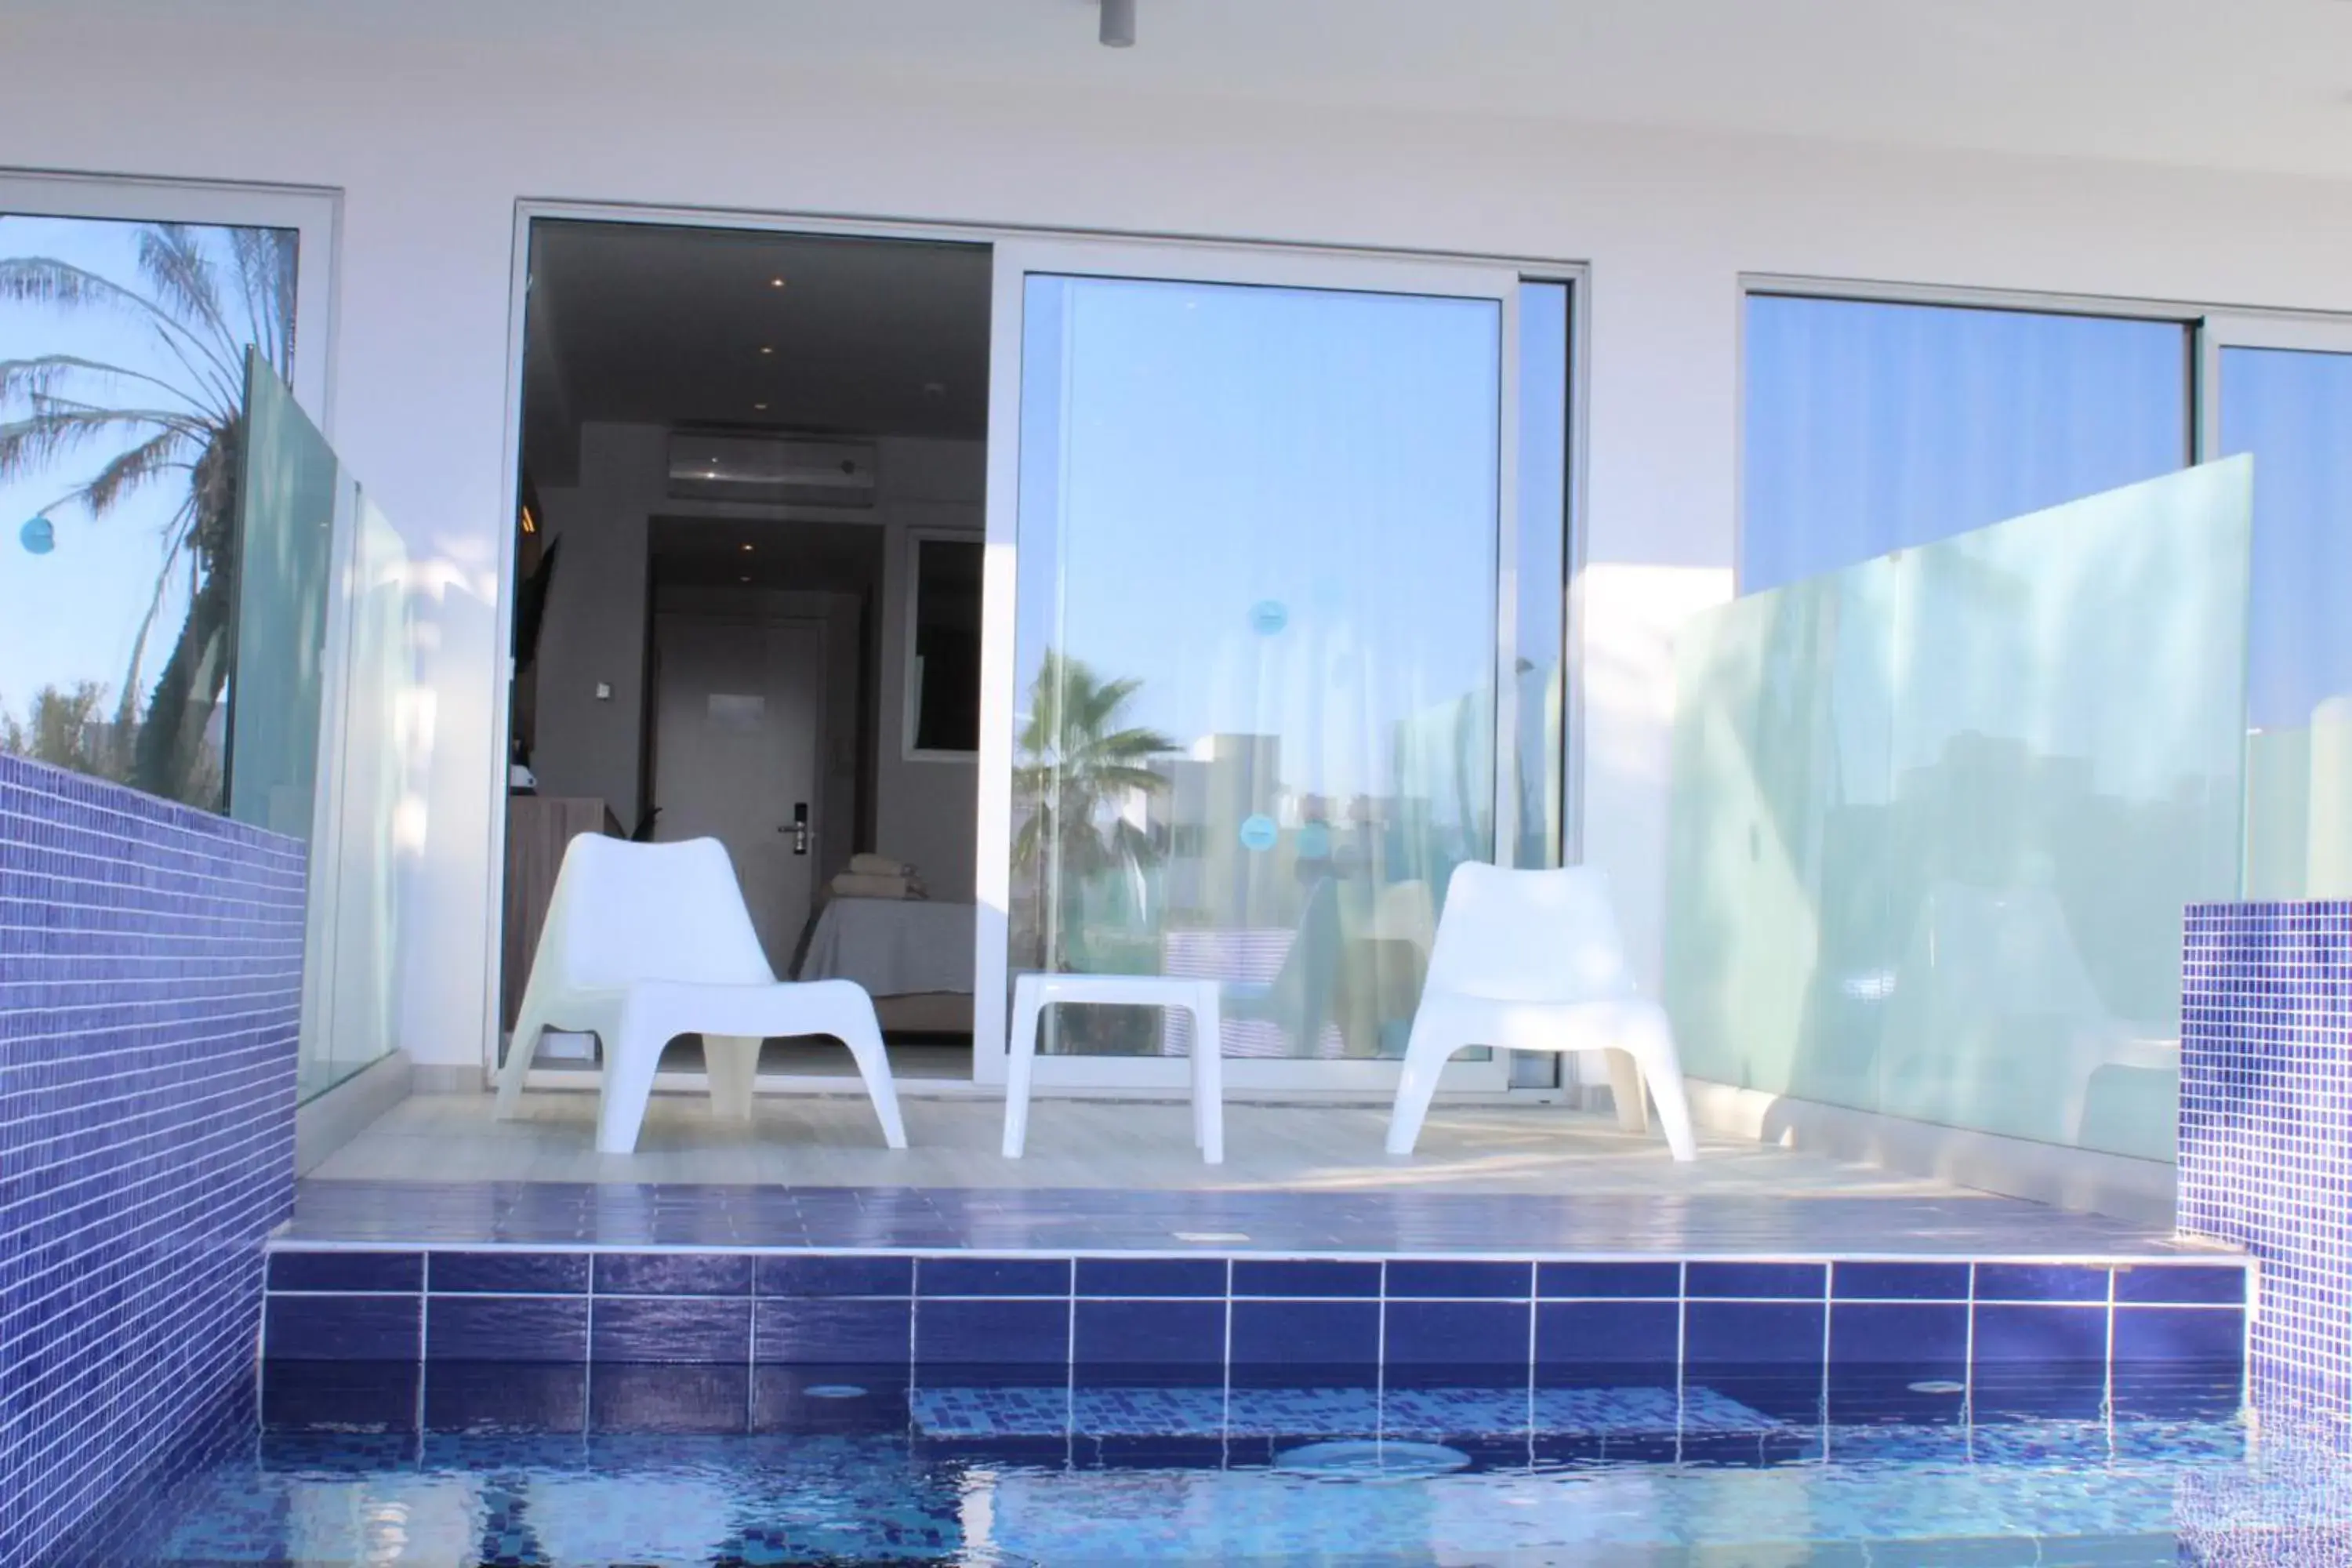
<point x="1033" y="993"/>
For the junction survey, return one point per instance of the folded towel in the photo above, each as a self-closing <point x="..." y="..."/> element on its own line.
<point x="856" y="885"/>
<point x="878" y="866"/>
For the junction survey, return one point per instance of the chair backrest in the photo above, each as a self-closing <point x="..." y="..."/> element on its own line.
<point x="1529" y="936"/>
<point x="623" y="912"/>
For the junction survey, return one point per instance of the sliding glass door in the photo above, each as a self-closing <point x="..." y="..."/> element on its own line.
<point x="2284" y="394"/>
<point x="1249" y="622"/>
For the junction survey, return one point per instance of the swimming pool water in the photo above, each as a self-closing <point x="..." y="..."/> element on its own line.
<point x="993" y="1476"/>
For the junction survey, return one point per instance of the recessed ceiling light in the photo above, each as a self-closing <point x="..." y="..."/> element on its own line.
<point x="766" y="350"/>
<point x="935" y="389"/>
<point x="747" y="550"/>
<point x="762" y="407"/>
<point x="775" y="282"/>
<point x="745" y="578"/>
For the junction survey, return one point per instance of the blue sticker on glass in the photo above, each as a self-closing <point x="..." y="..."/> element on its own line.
<point x="1258" y="832"/>
<point x="1268" y="616"/>
<point x="38" y="536"/>
<point x="1315" y="841"/>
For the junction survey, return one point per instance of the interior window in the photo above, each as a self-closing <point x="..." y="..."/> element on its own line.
<point x="946" y="675"/>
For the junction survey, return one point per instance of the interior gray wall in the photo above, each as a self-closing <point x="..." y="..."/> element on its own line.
<point x="596" y="627"/>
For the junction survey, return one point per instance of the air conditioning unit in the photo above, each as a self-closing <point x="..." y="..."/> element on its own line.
<point x="777" y="469"/>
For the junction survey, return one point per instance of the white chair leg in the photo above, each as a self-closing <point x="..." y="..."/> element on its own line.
<point x="1661" y="1066"/>
<point x="1625" y="1089"/>
<point x="1209" y="1076"/>
<point x="1193" y="1068"/>
<point x="1020" y="1063"/>
<point x="862" y="1033"/>
<point x="1425" y="1055"/>
<point x="732" y="1062"/>
<point x="631" y="1058"/>
<point x="520" y="1049"/>
<point x="1674" y="1113"/>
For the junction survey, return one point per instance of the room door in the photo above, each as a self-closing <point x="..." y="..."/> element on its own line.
<point x="737" y="734"/>
<point x="1249" y="622"/>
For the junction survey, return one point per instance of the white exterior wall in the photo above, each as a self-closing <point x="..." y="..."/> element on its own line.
<point x="433" y="145"/>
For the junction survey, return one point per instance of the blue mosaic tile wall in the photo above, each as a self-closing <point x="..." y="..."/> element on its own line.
<point x="150" y="963"/>
<point x="1802" y="1340"/>
<point x="2266" y="1131"/>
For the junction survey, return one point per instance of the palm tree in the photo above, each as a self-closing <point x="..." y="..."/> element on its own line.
<point x="203" y="309"/>
<point x="1078" y="759"/>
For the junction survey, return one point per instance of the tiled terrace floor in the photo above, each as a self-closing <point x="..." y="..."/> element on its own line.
<point x="1108" y="1177"/>
<point x="833" y="1141"/>
<point x="1066" y="1221"/>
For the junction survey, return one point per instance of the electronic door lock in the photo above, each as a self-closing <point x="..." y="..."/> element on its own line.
<point x="800" y="827"/>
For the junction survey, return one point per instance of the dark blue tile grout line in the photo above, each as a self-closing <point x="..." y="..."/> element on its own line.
<point x="151" y="960"/>
<point x="2106" y="1332"/>
<point x="2266" y="1074"/>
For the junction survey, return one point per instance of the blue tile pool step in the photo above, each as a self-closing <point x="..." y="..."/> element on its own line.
<point x="1871" y="1337"/>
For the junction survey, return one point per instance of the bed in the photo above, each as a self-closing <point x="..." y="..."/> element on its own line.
<point x="912" y="955"/>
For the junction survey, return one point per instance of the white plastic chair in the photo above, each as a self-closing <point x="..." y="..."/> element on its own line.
<point x="647" y="941"/>
<point x="1532" y="961"/>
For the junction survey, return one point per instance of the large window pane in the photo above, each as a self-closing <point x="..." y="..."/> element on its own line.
<point x="2293" y="410"/>
<point x="1256" y="648"/>
<point x="1872" y="426"/>
<point x="124" y="348"/>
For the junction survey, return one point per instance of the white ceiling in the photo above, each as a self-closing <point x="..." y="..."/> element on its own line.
<point x="640" y="323"/>
<point x="2248" y="84"/>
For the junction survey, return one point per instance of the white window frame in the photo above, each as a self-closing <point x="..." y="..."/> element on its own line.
<point x="315" y="218"/>
<point x="2192" y="319"/>
<point x="2294" y="331"/>
<point x="2210" y="328"/>
<point x="314" y="215"/>
<point x="910" y="691"/>
<point x="1016" y="260"/>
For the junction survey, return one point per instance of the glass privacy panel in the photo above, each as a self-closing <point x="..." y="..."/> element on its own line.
<point x="289" y="490"/>
<point x="1935" y="817"/>
<point x="2292" y="409"/>
<point x="324" y="716"/>
<point x="1776" y="899"/>
<point x="1872" y="426"/>
<point x="372" y="743"/>
<point x="1256" y="648"/>
<point x="123" y="349"/>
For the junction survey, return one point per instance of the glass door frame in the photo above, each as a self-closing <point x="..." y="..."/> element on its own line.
<point x="2218" y="332"/>
<point x="1016" y="260"/>
<point x="2221" y="330"/>
<point x="1307" y="265"/>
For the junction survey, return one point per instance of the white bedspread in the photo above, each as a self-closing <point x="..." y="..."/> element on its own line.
<point x="893" y="947"/>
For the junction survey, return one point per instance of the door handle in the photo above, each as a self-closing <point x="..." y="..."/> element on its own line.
<point x="799" y="828"/>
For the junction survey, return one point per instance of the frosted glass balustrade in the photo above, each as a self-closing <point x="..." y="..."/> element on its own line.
<point x="1935" y="817"/>
<point x="321" y="708"/>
